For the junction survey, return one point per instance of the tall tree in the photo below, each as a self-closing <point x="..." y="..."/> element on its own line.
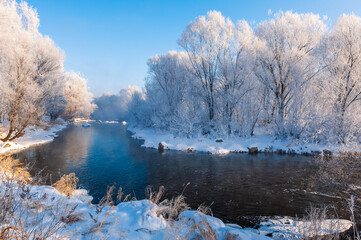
<point x="204" y="40"/>
<point x="30" y="67"/>
<point x="341" y="84"/>
<point x="285" y="65"/>
<point x="235" y="70"/>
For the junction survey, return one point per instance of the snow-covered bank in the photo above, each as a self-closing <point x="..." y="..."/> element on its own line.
<point x="259" y="142"/>
<point x="33" y="136"/>
<point x="128" y="220"/>
<point x="142" y="219"/>
<point x="286" y="228"/>
<point x="82" y="120"/>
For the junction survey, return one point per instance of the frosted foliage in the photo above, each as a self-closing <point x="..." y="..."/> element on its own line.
<point x="341" y="81"/>
<point x="115" y="106"/>
<point x="78" y="97"/>
<point x="286" y="67"/>
<point x="289" y="77"/>
<point x="32" y="77"/>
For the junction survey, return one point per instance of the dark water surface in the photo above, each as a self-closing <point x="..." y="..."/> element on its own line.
<point x="235" y="185"/>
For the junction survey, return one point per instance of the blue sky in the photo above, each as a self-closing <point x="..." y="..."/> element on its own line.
<point x="109" y="41"/>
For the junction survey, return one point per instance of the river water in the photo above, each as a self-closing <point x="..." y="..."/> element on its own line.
<point x="237" y="187"/>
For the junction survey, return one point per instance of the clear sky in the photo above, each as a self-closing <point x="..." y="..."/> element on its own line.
<point x="109" y="41"/>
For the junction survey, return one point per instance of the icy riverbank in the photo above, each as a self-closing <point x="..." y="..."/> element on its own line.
<point x="64" y="217"/>
<point x="79" y="219"/>
<point x="33" y="136"/>
<point x="258" y="143"/>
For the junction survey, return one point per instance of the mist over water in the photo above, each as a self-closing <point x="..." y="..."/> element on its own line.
<point x="234" y="185"/>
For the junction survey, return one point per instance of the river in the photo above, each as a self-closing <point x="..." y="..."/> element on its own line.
<point x="238" y="187"/>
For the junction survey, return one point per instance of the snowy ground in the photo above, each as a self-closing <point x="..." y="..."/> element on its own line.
<point x="141" y="220"/>
<point x="263" y="142"/>
<point x="82" y="120"/>
<point x="33" y="136"/>
<point x="286" y="228"/>
<point x="76" y="218"/>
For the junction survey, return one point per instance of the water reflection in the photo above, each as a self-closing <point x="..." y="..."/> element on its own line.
<point x="234" y="185"/>
<point x="69" y="152"/>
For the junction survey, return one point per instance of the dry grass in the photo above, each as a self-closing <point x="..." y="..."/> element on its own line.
<point x="200" y="230"/>
<point x="316" y="216"/>
<point x="22" y="211"/>
<point x="67" y="184"/>
<point x="12" y="170"/>
<point x="169" y="209"/>
<point x="341" y="175"/>
<point x="103" y="214"/>
<point x="184" y="228"/>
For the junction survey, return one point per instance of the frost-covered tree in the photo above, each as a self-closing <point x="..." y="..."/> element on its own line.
<point x="168" y="90"/>
<point x="79" y="99"/>
<point x="138" y="109"/>
<point x="341" y="82"/>
<point x="114" y="106"/>
<point x="285" y="65"/>
<point x="30" y="67"/>
<point x="110" y="107"/>
<point x="288" y="76"/>
<point x="236" y="77"/>
<point x="204" y="41"/>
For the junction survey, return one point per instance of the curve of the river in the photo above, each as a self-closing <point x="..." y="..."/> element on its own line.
<point x="238" y="187"/>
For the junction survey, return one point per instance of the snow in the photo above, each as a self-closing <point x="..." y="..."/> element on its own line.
<point x="141" y="220"/>
<point x="33" y="136"/>
<point x="82" y="120"/>
<point x="263" y="141"/>
<point x="111" y="122"/>
<point x="287" y="228"/>
<point x="133" y="220"/>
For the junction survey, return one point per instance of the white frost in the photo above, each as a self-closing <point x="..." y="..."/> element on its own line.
<point x="287" y="228"/>
<point x="33" y="136"/>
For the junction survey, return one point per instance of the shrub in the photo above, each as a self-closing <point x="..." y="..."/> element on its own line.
<point x="67" y="184"/>
<point x="13" y="170"/>
<point x="340" y="174"/>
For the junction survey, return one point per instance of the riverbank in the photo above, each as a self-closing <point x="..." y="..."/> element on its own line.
<point x="76" y="218"/>
<point x="33" y="136"/>
<point x="258" y="143"/>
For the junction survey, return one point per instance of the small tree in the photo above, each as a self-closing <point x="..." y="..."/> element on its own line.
<point x="79" y="99"/>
